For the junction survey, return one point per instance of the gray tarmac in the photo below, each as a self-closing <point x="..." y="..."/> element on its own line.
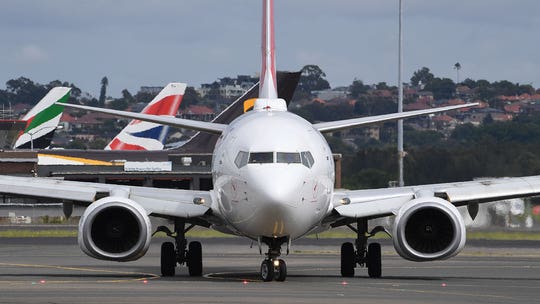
<point x="54" y="270"/>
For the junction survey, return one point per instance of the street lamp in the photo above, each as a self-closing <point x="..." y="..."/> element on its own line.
<point x="59" y="127"/>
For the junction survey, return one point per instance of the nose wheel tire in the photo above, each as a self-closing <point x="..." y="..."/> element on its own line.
<point x="194" y="259"/>
<point x="282" y="271"/>
<point x="168" y="259"/>
<point x="374" y="260"/>
<point x="348" y="260"/>
<point x="267" y="271"/>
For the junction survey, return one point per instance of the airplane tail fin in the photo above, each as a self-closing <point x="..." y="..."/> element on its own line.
<point x="42" y="120"/>
<point x="141" y="135"/>
<point x="268" y="82"/>
<point x="268" y="97"/>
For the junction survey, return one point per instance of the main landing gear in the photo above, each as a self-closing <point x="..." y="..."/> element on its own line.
<point x="273" y="268"/>
<point x="364" y="255"/>
<point x="179" y="252"/>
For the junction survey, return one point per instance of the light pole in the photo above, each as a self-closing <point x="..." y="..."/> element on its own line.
<point x="401" y="153"/>
<point x="31" y="134"/>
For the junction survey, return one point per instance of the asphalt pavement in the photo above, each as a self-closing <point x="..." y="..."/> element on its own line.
<point x="54" y="270"/>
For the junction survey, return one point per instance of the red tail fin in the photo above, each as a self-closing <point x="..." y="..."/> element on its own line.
<point x="268" y="85"/>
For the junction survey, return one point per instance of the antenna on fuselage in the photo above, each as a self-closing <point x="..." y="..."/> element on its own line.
<point x="268" y="83"/>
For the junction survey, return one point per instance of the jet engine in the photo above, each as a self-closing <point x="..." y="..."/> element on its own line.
<point x="428" y="228"/>
<point x="116" y="229"/>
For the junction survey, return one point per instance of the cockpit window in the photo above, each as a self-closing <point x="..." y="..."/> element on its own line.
<point x="307" y="159"/>
<point x="261" y="157"/>
<point x="241" y="159"/>
<point x="288" y="158"/>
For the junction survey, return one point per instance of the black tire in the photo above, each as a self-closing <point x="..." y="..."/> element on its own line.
<point x="194" y="259"/>
<point x="348" y="260"/>
<point x="282" y="271"/>
<point x="374" y="260"/>
<point x="267" y="271"/>
<point x="168" y="259"/>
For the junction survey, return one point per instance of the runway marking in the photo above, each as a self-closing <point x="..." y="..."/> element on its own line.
<point x="140" y="276"/>
<point x="444" y="293"/>
<point x="222" y="276"/>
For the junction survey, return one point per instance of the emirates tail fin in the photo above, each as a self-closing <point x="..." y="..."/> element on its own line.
<point x="42" y="120"/>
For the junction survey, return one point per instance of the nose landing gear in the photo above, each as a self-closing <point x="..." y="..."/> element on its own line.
<point x="273" y="268"/>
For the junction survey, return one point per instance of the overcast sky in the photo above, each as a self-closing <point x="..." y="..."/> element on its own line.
<point x="138" y="43"/>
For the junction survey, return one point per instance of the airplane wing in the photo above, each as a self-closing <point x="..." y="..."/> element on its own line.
<point x="209" y="127"/>
<point x="363" y="121"/>
<point x="375" y="203"/>
<point x="155" y="201"/>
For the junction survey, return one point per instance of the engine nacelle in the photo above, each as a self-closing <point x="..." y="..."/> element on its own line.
<point x="116" y="229"/>
<point x="428" y="228"/>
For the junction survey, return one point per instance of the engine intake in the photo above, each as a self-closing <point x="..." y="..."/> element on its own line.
<point x="115" y="228"/>
<point x="428" y="228"/>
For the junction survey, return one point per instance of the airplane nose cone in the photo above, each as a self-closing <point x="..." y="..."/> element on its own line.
<point x="276" y="188"/>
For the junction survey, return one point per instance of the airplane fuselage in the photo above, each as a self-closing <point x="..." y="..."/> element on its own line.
<point x="273" y="175"/>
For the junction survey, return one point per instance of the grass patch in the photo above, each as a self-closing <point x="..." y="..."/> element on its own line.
<point x="202" y="233"/>
<point x="503" y="235"/>
<point x="32" y="233"/>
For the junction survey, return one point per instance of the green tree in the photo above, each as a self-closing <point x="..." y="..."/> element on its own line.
<point x="457" y="67"/>
<point x="382" y="86"/>
<point x="471" y="84"/>
<point x="24" y="90"/>
<point x="312" y="79"/>
<point x="423" y="76"/>
<point x="442" y="88"/>
<point x="126" y="95"/>
<point x="357" y="88"/>
<point x="119" y="104"/>
<point x="191" y="97"/>
<point x="103" y="91"/>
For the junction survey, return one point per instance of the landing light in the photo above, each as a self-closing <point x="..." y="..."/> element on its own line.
<point x="345" y="201"/>
<point x="276" y="263"/>
<point x="198" y="201"/>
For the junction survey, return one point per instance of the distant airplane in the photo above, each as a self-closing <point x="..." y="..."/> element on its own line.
<point x="273" y="178"/>
<point x="42" y="120"/>
<point x="142" y="135"/>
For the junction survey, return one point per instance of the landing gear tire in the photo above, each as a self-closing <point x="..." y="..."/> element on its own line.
<point x="282" y="271"/>
<point x="168" y="259"/>
<point x="374" y="260"/>
<point x="194" y="259"/>
<point x="267" y="271"/>
<point x="348" y="260"/>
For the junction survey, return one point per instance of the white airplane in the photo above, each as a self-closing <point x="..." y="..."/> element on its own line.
<point x="273" y="177"/>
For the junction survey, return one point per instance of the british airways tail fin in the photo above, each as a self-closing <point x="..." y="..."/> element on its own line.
<point x="42" y="120"/>
<point x="141" y="135"/>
